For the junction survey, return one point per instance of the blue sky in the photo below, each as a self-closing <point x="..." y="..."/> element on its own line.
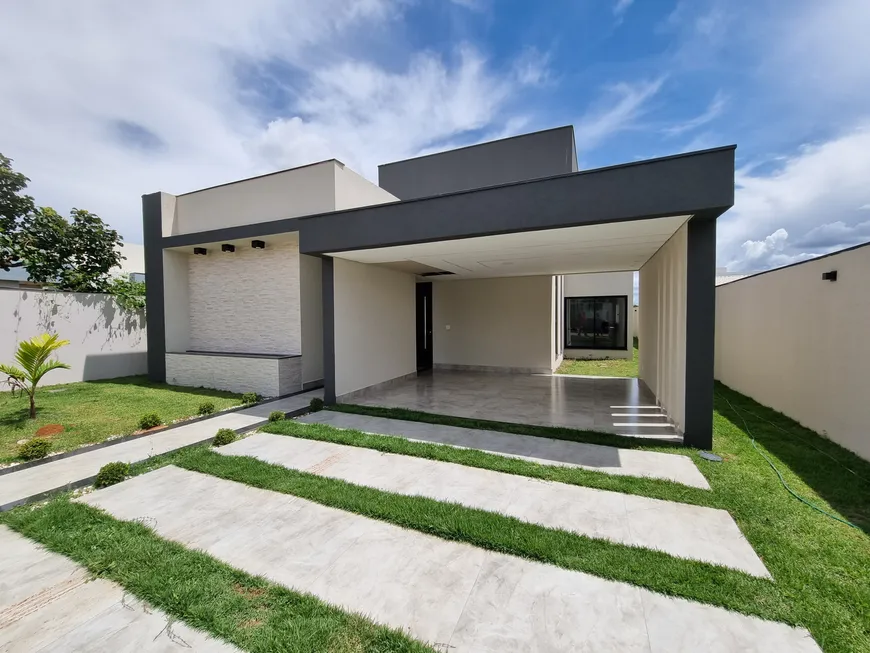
<point x="116" y="102"/>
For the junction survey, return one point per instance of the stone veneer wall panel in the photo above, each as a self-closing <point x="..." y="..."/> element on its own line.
<point x="231" y="373"/>
<point x="246" y="301"/>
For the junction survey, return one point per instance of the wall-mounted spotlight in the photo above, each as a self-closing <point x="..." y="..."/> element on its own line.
<point x="258" y="244"/>
<point x="202" y="251"/>
<point x="829" y="276"/>
<point x="226" y="247"/>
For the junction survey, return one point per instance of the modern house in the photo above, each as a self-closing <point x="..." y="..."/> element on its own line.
<point x="451" y="265"/>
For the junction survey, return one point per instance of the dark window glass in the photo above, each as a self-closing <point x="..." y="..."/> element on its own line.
<point x="596" y="322"/>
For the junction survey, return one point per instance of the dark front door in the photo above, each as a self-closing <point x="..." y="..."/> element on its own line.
<point x="424" y="326"/>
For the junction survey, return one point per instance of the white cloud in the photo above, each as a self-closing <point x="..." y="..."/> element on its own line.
<point x="864" y="207"/>
<point x="365" y="115"/>
<point x="713" y="111"/>
<point x="811" y="197"/>
<point x="115" y="102"/>
<point x="621" y="7"/>
<point x="623" y="105"/>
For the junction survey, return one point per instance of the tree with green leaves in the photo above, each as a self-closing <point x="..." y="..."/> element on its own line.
<point x="76" y="254"/>
<point x="14" y="205"/>
<point x="34" y="358"/>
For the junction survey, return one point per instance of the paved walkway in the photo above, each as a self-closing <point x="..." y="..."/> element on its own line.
<point x="443" y="592"/>
<point x="29" y="484"/>
<point x="48" y="603"/>
<point x="546" y="451"/>
<point x="686" y="531"/>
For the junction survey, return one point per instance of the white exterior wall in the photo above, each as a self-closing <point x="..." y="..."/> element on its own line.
<point x="311" y="297"/>
<point x="505" y="322"/>
<point x="800" y="345"/>
<point x="247" y="301"/>
<point x="662" y="328"/>
<point x="375" y="322"/>
<point x="106" y="341"/>
<point x="268" y="377"/>
<point x="176" y="300"/>
<point x="601" y="285"/>
<point x="352" y="190"/>
<point x="301" y="191"/>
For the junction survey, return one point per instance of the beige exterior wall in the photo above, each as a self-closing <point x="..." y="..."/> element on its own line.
<point x="800" y="345"/>
<point x="247" y="301"/>
<point x="662" y="325"/>
<point x="316" y="188"/>
<point x="499" y="323"/>
<point x="597" y="285"/>
<point x="311" y="297"/>
<point x="105" y="340"/>
<point x="301" y="191"/>
<point x="176" y="300"/>
<point x="375" y="321"/>
<point x="352" y="190"/>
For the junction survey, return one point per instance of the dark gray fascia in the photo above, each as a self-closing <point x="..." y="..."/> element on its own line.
<point x="241" y="232"/>
<point x="152" y="232"/>
<point x="700" y="331"/>
<point x="685" y="184"/>
<point x="328" y="300"/>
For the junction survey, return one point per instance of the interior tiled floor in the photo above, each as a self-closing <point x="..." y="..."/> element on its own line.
<point x="614" y="405"/>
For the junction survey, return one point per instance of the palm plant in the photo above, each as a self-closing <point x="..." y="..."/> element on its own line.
<point x="33" y="357"/>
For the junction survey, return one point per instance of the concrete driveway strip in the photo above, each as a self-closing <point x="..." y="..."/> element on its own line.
<point x="48" y="603"/>
<point x="546" y="451"/>
<point x="24" y="485"/>
<point x="682" y="530"/>
<point x="446" y="593"/>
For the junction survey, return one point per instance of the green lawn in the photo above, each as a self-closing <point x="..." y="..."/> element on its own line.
<point x="603" y="367"/>
<point x="248" y="611"/>
<point x="821" y="567"/>
<point x="92" y="411"/>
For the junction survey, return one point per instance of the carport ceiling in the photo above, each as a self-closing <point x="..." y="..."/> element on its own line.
<point x="573" y="250"/>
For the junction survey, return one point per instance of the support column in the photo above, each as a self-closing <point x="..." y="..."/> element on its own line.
<point x="700" y="331"/>
<point x="152" y="233"/>
<point x="328" y="271"/>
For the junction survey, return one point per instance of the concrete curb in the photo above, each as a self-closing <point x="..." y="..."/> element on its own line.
<point x="127" y="438"/>
<point x="90" y="479"/>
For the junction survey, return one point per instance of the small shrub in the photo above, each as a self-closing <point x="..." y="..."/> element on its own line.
<point x="34" y="449"/>
<point x="206" y="408"/>
<point x="316" y="405"/>
<point x="149" y="421"/>
<point x="251" y="398"/>
<point x="224" y="436"/>
<point x="276" y="415"/>
<point x="111" y="473"/>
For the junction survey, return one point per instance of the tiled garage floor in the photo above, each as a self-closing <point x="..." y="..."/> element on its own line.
<point x="623" y="406"/>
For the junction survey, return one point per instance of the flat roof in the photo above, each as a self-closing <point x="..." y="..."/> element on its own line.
<point x="268" y="174"/>
<point x="691" y="183"/>
<point x="483" y="144"/>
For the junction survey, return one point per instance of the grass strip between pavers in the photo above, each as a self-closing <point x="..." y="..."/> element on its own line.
<point x="247" y="611"/>
<point x="821" y="567"/>
<point x="655" y="570"/>
<point x="647" y="487"/>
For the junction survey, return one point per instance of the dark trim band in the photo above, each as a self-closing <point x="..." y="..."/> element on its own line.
<point x="328" y="297"/>
<point x="700" y="331"/>
<point x="155" y="310"/>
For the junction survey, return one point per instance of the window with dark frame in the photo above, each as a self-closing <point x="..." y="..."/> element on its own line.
<point x="596" y="322"/>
